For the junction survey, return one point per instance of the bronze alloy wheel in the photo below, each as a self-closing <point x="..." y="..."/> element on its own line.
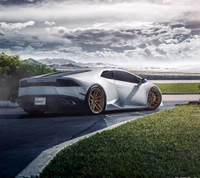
<point x="154" y="98"/>
<point x="96" y="100"/>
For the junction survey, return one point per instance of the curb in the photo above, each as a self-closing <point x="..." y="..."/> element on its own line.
<point x="34" y="169"/>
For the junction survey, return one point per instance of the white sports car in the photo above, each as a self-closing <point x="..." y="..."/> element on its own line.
<point x="94" y="90"/>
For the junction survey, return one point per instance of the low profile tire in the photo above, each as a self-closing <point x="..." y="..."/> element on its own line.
<point x="96" y="100"/>
<point x="154" y="98"/>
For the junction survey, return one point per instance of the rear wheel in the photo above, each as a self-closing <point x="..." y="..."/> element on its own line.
<point x="96" y="100"/>
<point x="154" y="98"/>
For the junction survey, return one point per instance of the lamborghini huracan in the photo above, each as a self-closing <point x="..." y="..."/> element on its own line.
<point x="91" y="90"/>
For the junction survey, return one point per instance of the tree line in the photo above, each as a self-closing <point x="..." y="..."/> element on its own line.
<point x="12" y="69"/>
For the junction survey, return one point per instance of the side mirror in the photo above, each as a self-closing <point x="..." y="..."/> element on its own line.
<point x="143" y="80"/>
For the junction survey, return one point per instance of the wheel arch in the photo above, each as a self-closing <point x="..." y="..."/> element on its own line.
<point x="93" y="85"/>
<point x="156" y="89"/>
<point x="88" y="93"/>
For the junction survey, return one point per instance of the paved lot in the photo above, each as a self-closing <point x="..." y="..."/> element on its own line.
<point x="24" y="137"/>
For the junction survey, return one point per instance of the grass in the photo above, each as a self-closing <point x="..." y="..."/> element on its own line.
<point x="179" y="87"/>
<point x="165" y="144"/>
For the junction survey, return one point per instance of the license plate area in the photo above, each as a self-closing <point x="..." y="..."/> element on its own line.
<point x="40" y="101"/>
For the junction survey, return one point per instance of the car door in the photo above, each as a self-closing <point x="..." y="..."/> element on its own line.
<point x="131" y="92"/>
<point x="109" y="86"/>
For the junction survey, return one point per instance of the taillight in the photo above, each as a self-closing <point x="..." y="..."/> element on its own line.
<point x="23" y="83"/>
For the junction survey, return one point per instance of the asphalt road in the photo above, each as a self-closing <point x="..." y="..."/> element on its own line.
<point x="24" y="137"/>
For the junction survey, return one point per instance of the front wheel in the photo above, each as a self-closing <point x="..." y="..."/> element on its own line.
<point x="96" y="100"/>
<point x="154" y="98"/>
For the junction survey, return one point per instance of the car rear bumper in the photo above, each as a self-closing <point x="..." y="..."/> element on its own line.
<point x="53" y="103"/>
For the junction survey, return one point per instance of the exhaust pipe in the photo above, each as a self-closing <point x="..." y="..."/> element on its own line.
<point x="65" y="101"/>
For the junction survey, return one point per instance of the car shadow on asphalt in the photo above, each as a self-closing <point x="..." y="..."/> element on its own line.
<point x="23" y="115"/>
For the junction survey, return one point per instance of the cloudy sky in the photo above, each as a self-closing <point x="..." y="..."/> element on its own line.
<point x="127" y="32"/>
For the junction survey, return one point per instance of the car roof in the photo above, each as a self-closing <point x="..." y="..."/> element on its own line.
<point x="95" y="71"/>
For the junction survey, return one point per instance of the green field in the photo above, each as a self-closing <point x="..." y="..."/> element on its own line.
<point x="179" y="87"/>
<point x="165" y="144"/>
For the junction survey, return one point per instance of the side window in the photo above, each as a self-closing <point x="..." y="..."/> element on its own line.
<point x="107" y="74"/>
<point x="125" y="77"/>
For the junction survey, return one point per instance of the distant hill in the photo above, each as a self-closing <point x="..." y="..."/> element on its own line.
<point x="64" y="66"/>
<point x="67" y="63"/>
<point x="61" y="63"/>
<point x="32" y="61"/>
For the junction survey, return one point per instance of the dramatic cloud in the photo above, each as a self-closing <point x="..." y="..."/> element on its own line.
<point x="15" y="26"/>
<point x="132" y="32"/>
<point x="12" y="2"/>
<point x="18" y="2"/>
<point x="1" y="33"/>
<point x="49" y="23"/>
<point x="87" y="13"/>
